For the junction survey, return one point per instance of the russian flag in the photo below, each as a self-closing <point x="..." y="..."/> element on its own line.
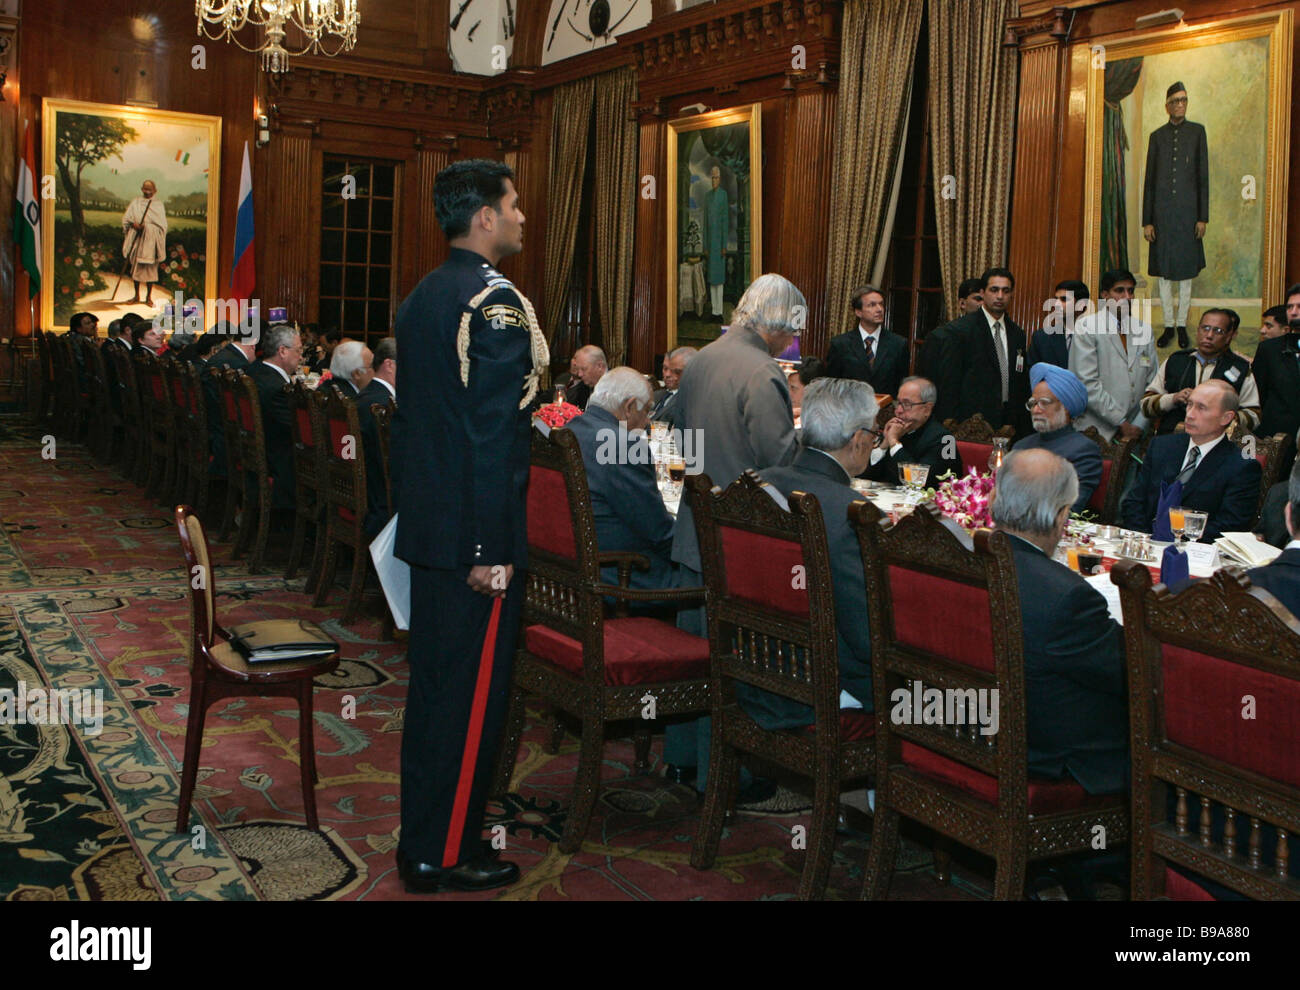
<point x="243" y="278"/>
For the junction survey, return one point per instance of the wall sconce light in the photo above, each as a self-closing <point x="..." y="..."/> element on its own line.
<point x="1171" y="16"/>
<point x="263" y="130"/>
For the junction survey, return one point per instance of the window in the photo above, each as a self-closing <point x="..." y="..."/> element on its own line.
<point x="356" y="247"/>
<point x="582" y="324"/>
<point x="913" y="272"/>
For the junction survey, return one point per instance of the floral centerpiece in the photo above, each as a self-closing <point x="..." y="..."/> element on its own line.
<point x="557" y="414"/>
<point x="965" y="499"/>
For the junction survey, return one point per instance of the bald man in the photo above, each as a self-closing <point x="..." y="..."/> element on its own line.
<point x="144" y="242"/>
<point x="586" y="368"/>
<point x="1215" y="476"/>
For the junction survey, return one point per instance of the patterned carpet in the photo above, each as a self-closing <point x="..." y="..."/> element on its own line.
<point x="92" y="597"/>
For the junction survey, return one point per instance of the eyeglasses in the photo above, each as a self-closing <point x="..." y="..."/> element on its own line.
<point x="875" y="433"/>
<point x="1177" y="99"/>
<point x="1033" y="404"/>
<point x="1215" y="331"/>
<point x="904" y="405"/>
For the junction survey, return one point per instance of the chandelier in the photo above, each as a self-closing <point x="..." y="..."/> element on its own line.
<point x="327" y="26"/>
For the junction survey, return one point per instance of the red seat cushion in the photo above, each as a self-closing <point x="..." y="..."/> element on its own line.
<point x="1045" y="796"/>
<point x="1098" y="500"/>
<point x="637" y="651"/>
<point x="1181" y="888"/>
<point x="855" y="725"/>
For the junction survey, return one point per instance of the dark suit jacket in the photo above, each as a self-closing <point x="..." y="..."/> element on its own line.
<point x="821" y="475"/>
<point x="847" y="358"/>
<point x="1281" y="578"/>
<point x="577" y="392"/>
<point x="226" y="356"/>
<point x="970" y="381"/>
<point x="628" y="509"/>
<point x="460" y="452"/>
<point x="1082" y="453"/>
<point x="1277" y="376"/>
<point x="930" y="360"/>
<point x="342" y="385"/>
<point x="276" y="415"/>
<point x="377" y="510"/>
<point x="1224" y="484"/>
<point x="923" y="446"/>
<point x="1050" y="347"/>
<point x="667" y="408"/>
<point x="1076" y="694"/>
<point x="1272" y="520"/>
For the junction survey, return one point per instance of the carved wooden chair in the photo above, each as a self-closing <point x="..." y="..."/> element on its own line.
<point x="40" y="378"/>
<point x="218" y="670"/>
<point x="1197" y="661"/>
<point x="105" y="422"/>
<point x="969" y="786"/>
<point x="974" y="438"/>
<point x="67" y="390"/>
<point x="307" y="429"/>
<point x="192" y="419"/>
<point x="1116" y="460"/>
<point x="772" y="632"/>
<point x="249" y="478"/>
<point x="135" y="445"/>
<point x="383" y="414"/>
<point x="178" y="463"/>
<point x="156" y="424"/>
<point x="344" y="490"/>
<point x="572" y="656"/>
<point x="229" y="417"/>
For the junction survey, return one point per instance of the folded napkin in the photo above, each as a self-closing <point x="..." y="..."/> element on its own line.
<point x="1171" y="496"/>
<point x="1174" y="568"/>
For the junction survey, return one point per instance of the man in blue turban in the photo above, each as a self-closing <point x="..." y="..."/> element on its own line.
<point x="1058" y="397"/>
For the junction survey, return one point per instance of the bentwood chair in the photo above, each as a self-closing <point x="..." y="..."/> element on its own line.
<point x="343" y="486"/>
<point x="1214" y="687"/>
<point x="307" y="431"/>
<point x="572" y="656"/>
<point x="974" y="438"/>
<point x="218" y="670"/>
<point x="970" y="786"/>
<point x="1116" y="459"/>
<point x="771" y="632"/>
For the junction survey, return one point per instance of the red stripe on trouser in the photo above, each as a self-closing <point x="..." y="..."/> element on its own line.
<point x="451" y="854"/>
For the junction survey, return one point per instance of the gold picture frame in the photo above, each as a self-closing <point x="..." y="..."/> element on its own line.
<point x="731" y="141"/>
<point x="1218" y="86"/>
<point x="106" y="152"/>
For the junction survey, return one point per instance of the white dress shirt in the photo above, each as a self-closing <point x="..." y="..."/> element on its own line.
<point x="1205" y="449"/>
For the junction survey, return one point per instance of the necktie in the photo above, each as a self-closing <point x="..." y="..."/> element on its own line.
<point x="871" y="351"/>
<point x="1192" y="460"/>
<point x="1001" y="349"/>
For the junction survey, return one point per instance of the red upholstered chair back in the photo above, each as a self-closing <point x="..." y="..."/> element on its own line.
<point x="1098" y="500"/>
<point x="1115" y="462"/>
<point x="1269" y="453"/>
<point x="945" y="614"/>
<point x="563" y="557"/>
<point x="973" y="455"/>
<point x="1214" y="696"/>
<point x="771" y="608"/>
<point x="345" y="459"/>
<point x="306" y="428"/>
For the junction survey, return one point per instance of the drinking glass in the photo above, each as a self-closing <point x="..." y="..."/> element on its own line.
<point x="1177" y="521"/>
<point x="677" y="469"/>
<point x="1194" y="523"/>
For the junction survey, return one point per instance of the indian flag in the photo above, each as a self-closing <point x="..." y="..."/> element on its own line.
<point x="27" y="218"/>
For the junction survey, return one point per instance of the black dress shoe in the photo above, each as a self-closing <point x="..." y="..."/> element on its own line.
<point x="481" y="873"/>
<point x="1166" y="337"/>
<point x="676" y="774"/>
<point x="1182" y="337"/>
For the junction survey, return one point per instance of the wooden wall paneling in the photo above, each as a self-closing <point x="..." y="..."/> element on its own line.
<point x="1035" y="204"/>
<point x="648" y="330"/>
<point x="289" y="253"/>
<point x="800" y="166"/>
<point x="428" y="249"/>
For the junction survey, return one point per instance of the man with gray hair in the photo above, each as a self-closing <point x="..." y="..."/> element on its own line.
<point x="281" y="353"/>
<point x="585" y="370"/>
<point x="839" y="417"/>
<point x="625" y="500"/>
<point x="666" y="406"/>
<point x="1076" y="693"/>
<point x="350" y="369"/>
<point x="735" y="405"/>
<point x="914" y="436"/>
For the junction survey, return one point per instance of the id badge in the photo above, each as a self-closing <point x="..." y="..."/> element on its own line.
<point x="1020" y="361"/>
<point x="1145" y="360"/>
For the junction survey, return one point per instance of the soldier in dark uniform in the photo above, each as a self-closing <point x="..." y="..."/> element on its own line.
<point x="471" y="353"/>
<point x="1175" y="209"/>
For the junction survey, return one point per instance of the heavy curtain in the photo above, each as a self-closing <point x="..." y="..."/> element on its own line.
<point x="614" y="206"/>
<point x="972" y="128"/>
<point x="570" y="121"/>
<point x="1121" y="79"/>
<point x="878" y="41"/>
